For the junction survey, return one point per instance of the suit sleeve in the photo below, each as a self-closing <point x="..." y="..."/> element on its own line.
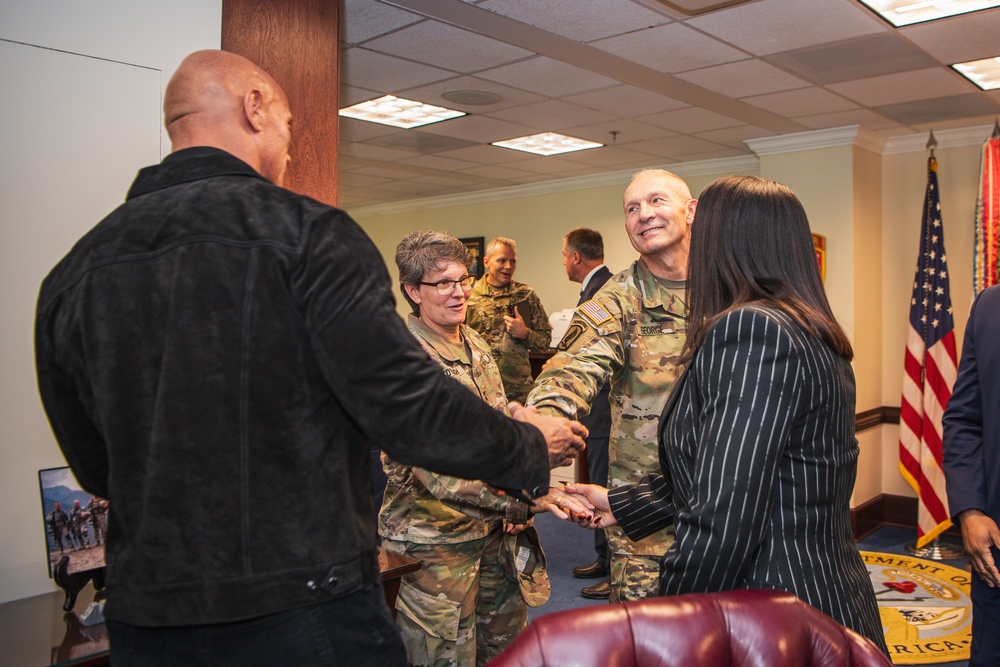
<point x="746" y="381"/>
<point x="644" y="508"/>
<point x="964" y="467"/>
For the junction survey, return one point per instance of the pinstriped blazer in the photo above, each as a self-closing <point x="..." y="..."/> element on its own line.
<point x="759" y="457"/>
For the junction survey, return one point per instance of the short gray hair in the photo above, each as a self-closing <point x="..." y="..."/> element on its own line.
<point x="423" y="252"/>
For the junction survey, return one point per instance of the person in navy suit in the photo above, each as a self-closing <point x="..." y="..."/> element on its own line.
<point x="757" y="447"/>
<point x="972" y="468"/>
<point x="583" y="259"/>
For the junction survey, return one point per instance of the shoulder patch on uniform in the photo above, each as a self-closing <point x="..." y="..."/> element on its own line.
<point x="594" y="312"/>
<point x="574" y="331"/>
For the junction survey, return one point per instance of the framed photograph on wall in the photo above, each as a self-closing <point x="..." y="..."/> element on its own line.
<point x="476" y="246"/>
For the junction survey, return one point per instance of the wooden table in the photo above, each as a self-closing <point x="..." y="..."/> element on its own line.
<point x="36" y="631"/>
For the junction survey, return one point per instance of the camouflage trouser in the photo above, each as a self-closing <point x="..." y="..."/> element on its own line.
<point x="459" y="609"/>
<point x="634" y="577"/>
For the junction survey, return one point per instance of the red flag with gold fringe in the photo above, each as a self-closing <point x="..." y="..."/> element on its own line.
<point x="987" y="216"/>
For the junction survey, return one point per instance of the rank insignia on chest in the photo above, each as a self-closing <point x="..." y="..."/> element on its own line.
<point x="594" y="312"/>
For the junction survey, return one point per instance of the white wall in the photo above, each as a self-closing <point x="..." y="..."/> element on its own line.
<point x="81" y="85"/>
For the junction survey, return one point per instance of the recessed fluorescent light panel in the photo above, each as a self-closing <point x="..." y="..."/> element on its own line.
<point x="399" y="112"/>
<point x="984" y="73"/>
<point x="547" y="143"/>
<point x="905" y="12"/>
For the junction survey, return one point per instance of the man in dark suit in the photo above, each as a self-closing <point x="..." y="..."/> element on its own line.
<point x="972" y="468"/>
<point x="583" y="259"/>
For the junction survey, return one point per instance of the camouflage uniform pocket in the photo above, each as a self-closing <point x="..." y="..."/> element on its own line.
<point x="428" y="626"/>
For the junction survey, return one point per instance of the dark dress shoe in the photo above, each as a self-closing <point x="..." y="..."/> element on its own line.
<point x="592" y="571"/>
<point x="601" y="591"/>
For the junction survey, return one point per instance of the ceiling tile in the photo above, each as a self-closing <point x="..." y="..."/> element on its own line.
<point x="419" y="141"/>
<point x="447" y="47"/>
<point x="479" y="129"/>
<point x="747" y="77"/>
<point x="959" y="38"/>
<point x="734" y="137"/>
<point x="627" y="101"/>
<point x="771" y="26"/>
<point x="679" y="145"/>
<point x="862" y="117"/>
<point x="670" y="48"/>
<point x="690" y="119"/>
<point x="939" y="109"/>
<point x="370" y="152"/>
<point x="384" y="73"/>
<point x="801" y="102"/>
<point x="552" y="116"/>
<point x="580" y="20"/>
<point x="626" y="131"/>
<point x="483" y="154"/>
<point x="431" y="94"/>
<point x="352" y="129"/>
<point x="902" y="87"/>
<point x="365" y="19"/>
<point x="438" y="162"/>
<point x="882" y="53"/>
<point x="611" y="157"/>
<point x="548" y="77"/>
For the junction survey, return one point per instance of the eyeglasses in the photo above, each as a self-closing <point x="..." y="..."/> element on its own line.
<point x="448" y="286"/>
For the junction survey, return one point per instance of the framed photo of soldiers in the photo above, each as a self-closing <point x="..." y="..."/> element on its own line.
<point x="477" y="247"/>
<point x="75" y="523"/>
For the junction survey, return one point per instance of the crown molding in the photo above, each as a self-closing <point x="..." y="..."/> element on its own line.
<point x="917" y="143"/>
<point x="731" y="165"/>
<point x="848" y="135"/>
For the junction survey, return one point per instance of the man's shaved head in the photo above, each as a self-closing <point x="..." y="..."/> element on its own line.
<point x="220" y="99"/>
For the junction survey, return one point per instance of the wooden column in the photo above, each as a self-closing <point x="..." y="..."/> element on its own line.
<point x="297" y="42"/>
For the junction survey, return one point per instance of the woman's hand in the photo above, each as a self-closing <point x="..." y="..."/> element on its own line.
<point x="597" y="498"/>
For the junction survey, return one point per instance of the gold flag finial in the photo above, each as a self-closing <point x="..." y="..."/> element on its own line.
<point x="931" y="143"/>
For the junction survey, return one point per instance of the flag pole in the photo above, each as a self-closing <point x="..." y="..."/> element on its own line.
<point x="929" y="370"/>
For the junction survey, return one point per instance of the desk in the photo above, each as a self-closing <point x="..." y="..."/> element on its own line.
<point x="36" y="631"/>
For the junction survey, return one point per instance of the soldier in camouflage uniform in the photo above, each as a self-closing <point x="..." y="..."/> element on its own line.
<point x="509" y="316"/>
<point x="631" y="334"/>
<point x="460" y="608"/>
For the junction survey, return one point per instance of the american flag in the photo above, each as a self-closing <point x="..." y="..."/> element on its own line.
<point x="929" y="371"/>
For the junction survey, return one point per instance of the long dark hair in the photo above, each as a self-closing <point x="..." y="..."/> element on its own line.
<point x="750" y="243"/>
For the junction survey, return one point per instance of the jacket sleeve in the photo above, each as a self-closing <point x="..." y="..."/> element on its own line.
<point x="746" y="379"/>
<point x="964" y="466"/>
<point x="644" y="508"/>
<point x="586" y="359"/>
<point x="383" y="379"/>
<point x="78" y="437"/>
<point x="462" y="494"/>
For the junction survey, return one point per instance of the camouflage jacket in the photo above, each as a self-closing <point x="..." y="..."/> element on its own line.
<point x="425" y="507"/>
<point x="487" y="306"/>
<point x="630" y="334"/>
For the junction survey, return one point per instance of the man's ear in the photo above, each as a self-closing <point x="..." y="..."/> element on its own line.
<point x="253" y="109"/>
<point x="692" y="206"/>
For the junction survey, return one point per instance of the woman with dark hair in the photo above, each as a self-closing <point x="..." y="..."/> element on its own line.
<point x="757" y="443"/>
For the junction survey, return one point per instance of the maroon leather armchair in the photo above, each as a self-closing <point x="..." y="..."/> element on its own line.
<point x="732" y="629"/>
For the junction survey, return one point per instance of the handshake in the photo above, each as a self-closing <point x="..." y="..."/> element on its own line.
<point x="584" y="504"/>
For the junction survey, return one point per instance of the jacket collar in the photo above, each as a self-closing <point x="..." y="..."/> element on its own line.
<point x="187" y="165"/>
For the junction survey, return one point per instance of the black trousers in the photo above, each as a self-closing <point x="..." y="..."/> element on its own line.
<point x="353" y="630"/>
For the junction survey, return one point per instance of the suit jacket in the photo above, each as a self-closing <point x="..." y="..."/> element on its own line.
<point x="598" y="422"/>
<point x="759" y="458"/>
<point x="972" y="418"/>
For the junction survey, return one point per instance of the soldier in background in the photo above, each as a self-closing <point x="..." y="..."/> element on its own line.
<point x="97" y="508"/>
<point x="58" y="523"/>
<point x="78" y="525"/>
<point x="509" y="316"/>
<point x="630" y="335"/>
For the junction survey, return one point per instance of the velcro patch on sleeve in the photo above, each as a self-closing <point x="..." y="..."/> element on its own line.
<point x="594" y="312"/>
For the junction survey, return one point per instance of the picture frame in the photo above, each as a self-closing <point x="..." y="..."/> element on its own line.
<point x="477" y="247"/>
<point x="80" y="538"/>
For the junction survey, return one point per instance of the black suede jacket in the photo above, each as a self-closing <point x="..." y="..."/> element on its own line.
<point x="215" y="358"/>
